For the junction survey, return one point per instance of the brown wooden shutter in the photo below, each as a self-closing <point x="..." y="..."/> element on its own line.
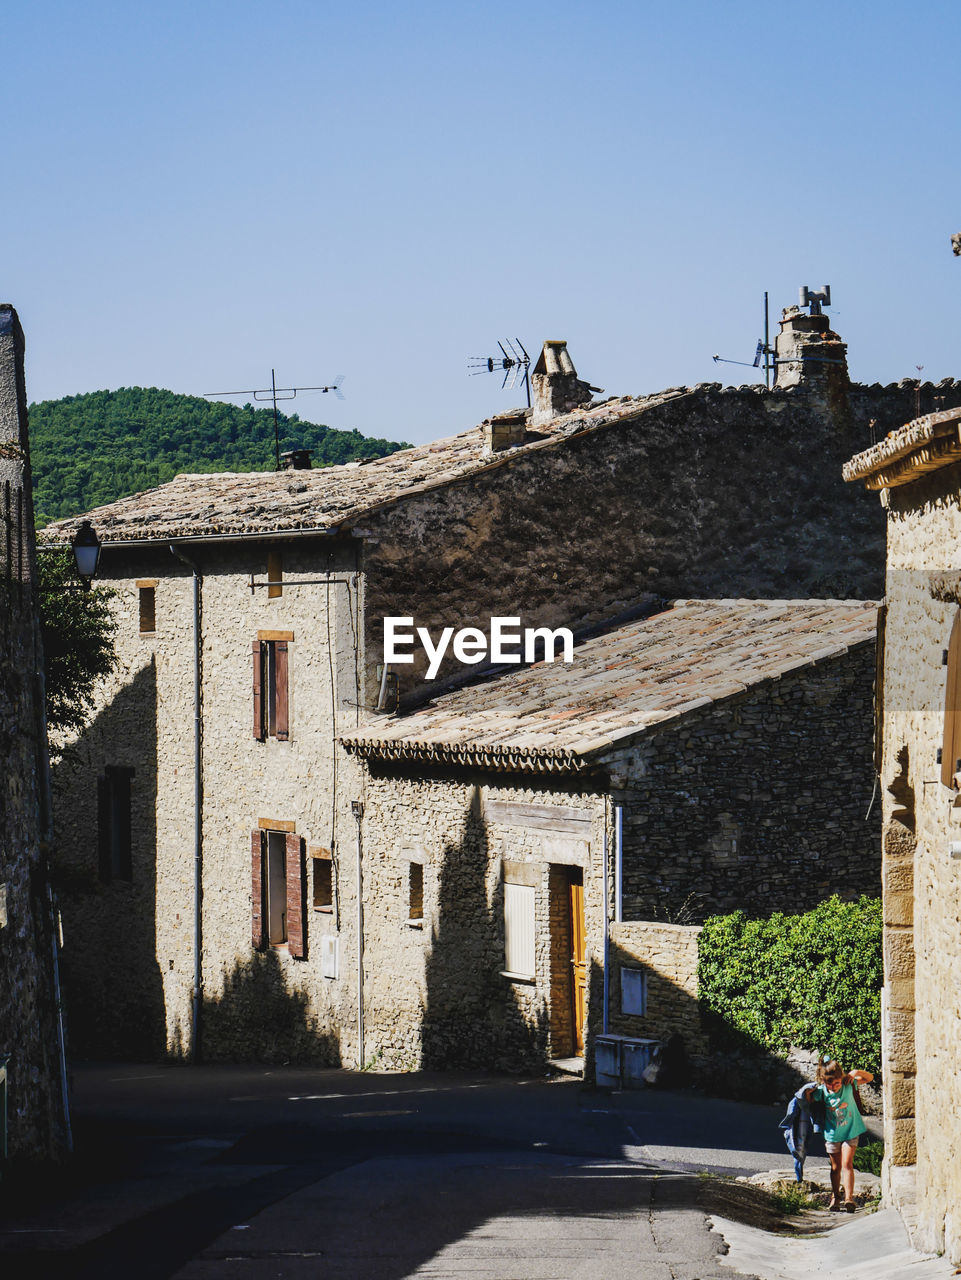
<point x="296" y="898"/>
<point x="258" y="656"/>
<point x="951" y="743"/>
<point x="258" y="886"/>
<point x="282" y="700"/>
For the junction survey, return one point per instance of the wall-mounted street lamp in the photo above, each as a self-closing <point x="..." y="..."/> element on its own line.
<point x="86" y="552"/>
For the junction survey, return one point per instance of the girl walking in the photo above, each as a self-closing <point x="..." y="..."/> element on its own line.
<point x="843" y="1126"/>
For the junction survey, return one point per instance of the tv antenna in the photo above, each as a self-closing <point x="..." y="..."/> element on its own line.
<point x="275" y="393"/>
<point x="763" y="353"/>
<point x="515" y="364"/>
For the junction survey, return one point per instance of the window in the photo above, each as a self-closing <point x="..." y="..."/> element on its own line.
<point x="322" y="869"/>
<point x="415" y="892"/>
<point x="271" y="672"/>
<point x="275" y="574"/>
<point x="951" y="742"/>
<point x="519" y="930"/>
<point x="113" y="823"/>
<point x="148" y="606"/>
<point x="634" y="992"/>
<point x="277" y="888"/>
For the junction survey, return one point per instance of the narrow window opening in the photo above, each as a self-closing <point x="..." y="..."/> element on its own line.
<point x="415" y="892"/>
<point x="148" y="609"/>
<point x="276" y="887"/>
<point x="271" y="686"/>
<point x="270" y="679"/>
<point x="114" y="826"/>
<point x="323" y="880"/>
<point x="275" y="574"/>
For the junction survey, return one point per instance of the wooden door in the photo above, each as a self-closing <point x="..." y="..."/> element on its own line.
<point x="578" y="962"/>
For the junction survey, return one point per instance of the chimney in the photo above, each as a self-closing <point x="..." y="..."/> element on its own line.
<point x="505" y="430"/>
<point x="807" y="350"/>
<point x="296" y="460"/>
<point x="555" y="384"/>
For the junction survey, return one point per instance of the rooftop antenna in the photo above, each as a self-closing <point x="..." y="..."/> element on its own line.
<point x="763" y="353"/>
<point x="515" y="364"/>
<point x="275" y="393"/>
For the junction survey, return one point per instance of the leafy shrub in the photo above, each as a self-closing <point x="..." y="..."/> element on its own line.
<point x="868" y="1158"/>
<point x="811" y="980"/>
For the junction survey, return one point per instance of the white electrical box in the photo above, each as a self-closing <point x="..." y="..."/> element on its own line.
<point x="329" y="956"/>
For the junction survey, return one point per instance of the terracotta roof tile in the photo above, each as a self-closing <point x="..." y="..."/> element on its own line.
<point x="696" y="653"/>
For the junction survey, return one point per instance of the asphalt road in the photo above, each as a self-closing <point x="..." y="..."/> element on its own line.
<point x="253" y="1172"/>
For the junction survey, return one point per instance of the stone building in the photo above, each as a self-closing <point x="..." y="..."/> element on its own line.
<point x="33" y="1115"/>
<point x="712" y="756"/>
<point x="917" y="471"/>
<point x="251" y="617"/>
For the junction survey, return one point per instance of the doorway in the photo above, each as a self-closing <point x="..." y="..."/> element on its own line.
<point x="578" y="958"/>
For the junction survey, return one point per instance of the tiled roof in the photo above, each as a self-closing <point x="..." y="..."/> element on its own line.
<point x="557" y="717"/>
<point x="922" y="445"/>
<point x="328" y="498"/>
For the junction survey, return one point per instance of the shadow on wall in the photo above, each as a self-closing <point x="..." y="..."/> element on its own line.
<point x="697" y="1047"/>
<point x="258" y="1018"/>
<point x="112" y="985"/>
<point x="473" y="1016"/>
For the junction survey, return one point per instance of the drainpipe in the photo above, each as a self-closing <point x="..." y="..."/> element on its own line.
<point x="357" y="809"/>
<point x="607" y="936"/>
<point x="195" y="1032"/>
<point x="618" y="863"/>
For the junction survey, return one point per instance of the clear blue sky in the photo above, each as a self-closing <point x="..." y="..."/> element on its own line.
<point x="198" y="192"/>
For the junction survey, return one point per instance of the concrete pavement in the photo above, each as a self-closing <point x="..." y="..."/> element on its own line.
<point x="215" y="1172"/>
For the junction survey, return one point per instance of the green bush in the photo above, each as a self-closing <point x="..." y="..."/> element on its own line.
<point x="868" y="1158"/>
<point x="811" y="980"/>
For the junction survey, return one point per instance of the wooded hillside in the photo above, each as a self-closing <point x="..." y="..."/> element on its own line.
<point x="90" y="449"/>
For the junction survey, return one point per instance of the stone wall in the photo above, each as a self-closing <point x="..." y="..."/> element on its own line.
<point x="29" y="1036"/>
<point x="667" y="954"/>
<point x="129" y="942"/>
<point x="436" y="994"/>
<point x="921" y="1045"/>
<point x="715" y="492"/>
<point x="757" y="802"/>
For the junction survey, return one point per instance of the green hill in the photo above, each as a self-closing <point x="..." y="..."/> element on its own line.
<point x="90" y="449"/>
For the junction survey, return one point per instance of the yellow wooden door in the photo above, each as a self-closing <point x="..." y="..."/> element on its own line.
<point x="578" y="964"/>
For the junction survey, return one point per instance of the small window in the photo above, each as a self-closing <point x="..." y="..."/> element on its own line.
<point x="519" y="930"/>
<point x="634" y="992"/>
<point x="275" y="574"/>
<point x="415" y="892"/>
<point x="148" y="607"/>
<point x="322" y="876"/>
<point x="271" y="688"/>
<point x="114" y="824"/>
<point x="278" y="888"/>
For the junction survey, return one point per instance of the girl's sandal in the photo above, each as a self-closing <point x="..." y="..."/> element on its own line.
<point x="834" y="1206"/>
<point x="849" y="1206"/>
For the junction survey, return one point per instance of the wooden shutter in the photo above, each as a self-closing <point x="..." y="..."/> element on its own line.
<point x="519" y="929"/>
<point x="296" y="898"/>
<point x="258" y="664"/>
<point x="282" y="700"/>
<point x="258" y="886"/>
<point x="951" y="744"/>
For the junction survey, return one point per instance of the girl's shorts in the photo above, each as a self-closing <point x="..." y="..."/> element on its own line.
<point x="831" y="1147"/>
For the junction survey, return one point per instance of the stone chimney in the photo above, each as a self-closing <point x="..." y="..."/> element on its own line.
<point x="295" y="460"/>
<point x="555" y="386"/>
<point x="807" y="350"/>
<point x="505" y="430"/>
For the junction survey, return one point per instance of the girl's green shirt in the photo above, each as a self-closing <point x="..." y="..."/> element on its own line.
<point x="843" y="1122"/>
